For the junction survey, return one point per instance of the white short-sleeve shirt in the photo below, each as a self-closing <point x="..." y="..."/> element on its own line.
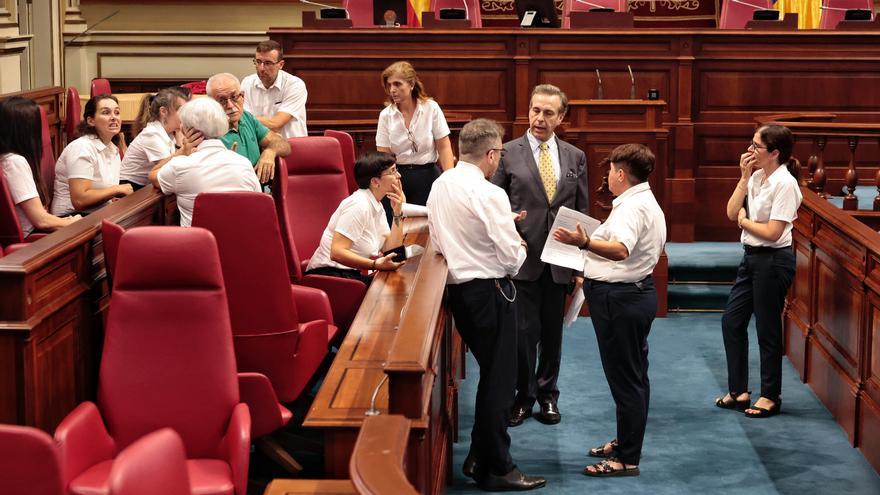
<point x="637" y="222"/>
<point x="287" y="94"/>
<point x="361" y="219"/>
<point x="22" y="186"/>
<point x="151" y="145"/>
<point x="211" y="168"/>
<point x="777" y="197"/>
<point x="428" y="124"/>
<point x="89" y="158"/>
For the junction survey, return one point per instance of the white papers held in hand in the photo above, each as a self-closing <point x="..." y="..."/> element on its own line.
<point x="574" y="309"/>
<point x="561" y="254"/>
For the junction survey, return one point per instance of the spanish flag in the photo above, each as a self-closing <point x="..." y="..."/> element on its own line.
<point x="414" y="11"/>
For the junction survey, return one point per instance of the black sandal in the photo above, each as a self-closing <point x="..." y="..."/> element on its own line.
<point x="600" y="450"/>
<point x="736" y="405"/>
<point x="765" y="412"/>
<point x="604" y="469"/>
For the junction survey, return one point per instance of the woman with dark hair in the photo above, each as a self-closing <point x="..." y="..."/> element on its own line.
<point x="21" y="152"/>
<point x="87" y="172"/>
<point x="413" y="128"/>
<point x="358" y="232"/>
<point x="158" y="136"/>
<point x="764" y="205"/>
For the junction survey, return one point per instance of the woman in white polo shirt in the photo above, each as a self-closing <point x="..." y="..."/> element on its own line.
<point x="764" y="205"/>
<point x="21" y="151"/>
<point x="358" y="232"/>
<point x="87" y="172"/>
<point x="413" y="128"/>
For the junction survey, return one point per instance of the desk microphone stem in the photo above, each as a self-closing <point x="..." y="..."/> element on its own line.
<point x="372" y="411"/>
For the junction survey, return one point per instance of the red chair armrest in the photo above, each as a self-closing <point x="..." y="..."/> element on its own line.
<point x="345" y="296"/>
<point x="311" y="351"/>
<point x="14" y="247"/>
<point x="237" y="446"/>
<point x="311" y="304"/>
<point x="83" y="441"/>
<point x="256" y="391"/>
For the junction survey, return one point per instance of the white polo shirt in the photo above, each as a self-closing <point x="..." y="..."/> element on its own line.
<point x="211" y="168"/>
<point x="428" y="124"/>
<point x="776" y="198"/>
<point x="287" y="94"/>
<point x="89" y="158"/>
<point x="637" y="221"/>
<point x="361" y="219"/>
<point x="151" y="145"/>
<point x="21" y="186"/>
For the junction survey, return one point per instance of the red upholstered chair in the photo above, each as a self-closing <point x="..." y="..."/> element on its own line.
<point x="735" y="15"/>
<point x="167" y="361"/>
<point x="473" y="9"/>
<point x="360" y="12"/>
<point x="10" y="229"/>
<point x="833" y="11"/>
<point x="100" y="87"/>
<point x="111" y="233"/>
<point x="72" y="113"/>
<point x="574" y="6"/>
<point x="29" y="463"/>
<point x="47" y="165"/>
<point x="154" y="464"/>
<point x="346" y="144"/>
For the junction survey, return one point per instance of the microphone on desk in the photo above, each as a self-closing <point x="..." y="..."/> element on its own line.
<point x="595" y="5"/>
<point x="328" y="11"/>
<point x="89" y="28"/>
<point x="372" y="411"/>
<point x="632" y="89"/>
<point x="600" y="95"/>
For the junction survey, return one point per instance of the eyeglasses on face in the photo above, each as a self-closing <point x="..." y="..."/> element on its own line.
<point x="224" y="100"/>
<point x="755" y="146"/>
<point x="390" y="171"/>
<point x="265" y="63"/>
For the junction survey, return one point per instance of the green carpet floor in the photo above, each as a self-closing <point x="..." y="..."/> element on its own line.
<point x="691" y="446"/>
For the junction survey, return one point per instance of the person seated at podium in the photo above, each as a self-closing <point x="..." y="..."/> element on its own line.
<point x="157" y="138"/>
<point x="87" y="172"/>
<point x="21" y="152"/>
<point x="246" y="136"/>
<point x="412" y="126"/>
<point x="210" y="168"/>
<point x="275" y="97"/>
<point x="358" y="231"/>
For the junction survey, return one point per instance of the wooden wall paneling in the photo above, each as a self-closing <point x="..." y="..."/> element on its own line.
<point x="799" y="319"/>
<point x="50" y="99"/>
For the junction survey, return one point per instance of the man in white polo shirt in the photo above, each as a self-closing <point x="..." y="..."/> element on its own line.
<point x="275" y="97"/>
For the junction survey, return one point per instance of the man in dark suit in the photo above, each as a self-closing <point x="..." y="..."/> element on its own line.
<point x="540" y="173"/>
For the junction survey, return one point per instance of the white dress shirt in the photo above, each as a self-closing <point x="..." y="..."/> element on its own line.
<point x="471" y="225"/>
<point x="428" y="124"/>
<point x="211" y="168"/>
<point x="21" y="186"/>
<point x="287" y="94"/>
<point x="776" y="198"/>
<point x="361" y="219"/>
<point x="89" y="158"/>
<point x="150" y="146"/>
<point x="637" y="221"/>
<point x="553" y="148"/>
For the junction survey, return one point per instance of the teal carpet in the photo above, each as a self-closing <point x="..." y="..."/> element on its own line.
<point x="691" y="446"/>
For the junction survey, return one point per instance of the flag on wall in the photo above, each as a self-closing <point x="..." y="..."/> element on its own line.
<point x="414" y="11"/>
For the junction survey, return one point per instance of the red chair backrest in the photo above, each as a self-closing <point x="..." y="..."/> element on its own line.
<point x="346" y="144"/>
<point x="279" y="195"/>
<point x="111" y="233"/>
<point x="574" y="6"/>
<point x="10" y="228"/>
<point x="314" y="169"/>
<point x="29" y="462"/>
<point x="830" y="17"/>
<point x="154" y="464"/>
<point x="72" y="113"/>
<point x="360" y="12"/>
<point x="100" y="87"/>
<point x="736" y="15"/>
<point x="168" y="356"/>
<point x="47" y="165"/>
<point x="473" y="9"/>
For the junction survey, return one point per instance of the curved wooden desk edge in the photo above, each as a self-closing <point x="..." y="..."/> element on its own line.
<point x="377" y="462"/>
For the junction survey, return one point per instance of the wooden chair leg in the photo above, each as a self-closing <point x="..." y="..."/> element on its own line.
<point x="274" y="451"/>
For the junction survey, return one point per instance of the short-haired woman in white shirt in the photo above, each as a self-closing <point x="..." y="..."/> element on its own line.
<point x="413" y="128"/>
<point x="156" y="136"/>
<point x="764" y="205"/>
<point x="21" y="152"/>
<point x="87" y="172"/>
<point x="358" y="231"/>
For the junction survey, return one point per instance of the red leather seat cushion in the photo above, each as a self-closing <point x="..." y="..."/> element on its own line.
<point x="206" y="477"/>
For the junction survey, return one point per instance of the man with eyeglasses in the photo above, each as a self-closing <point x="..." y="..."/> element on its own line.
<point x="541" y="173"/>
<point x="275" y="97"/>
<point x="247" y="136"/>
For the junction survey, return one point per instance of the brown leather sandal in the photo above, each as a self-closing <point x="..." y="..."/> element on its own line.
<point x="601" y="452"/>
<point x="604" y="469"/>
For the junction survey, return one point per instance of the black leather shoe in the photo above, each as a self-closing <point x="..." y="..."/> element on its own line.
<point x="549" y="414"/>
<point x="470" y="467"/>
<point x="514" y="481"/>
<point x="519" y="414"/>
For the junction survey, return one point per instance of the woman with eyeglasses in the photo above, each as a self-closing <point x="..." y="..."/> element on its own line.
<point x="413" y="128"/>
<point x="764" y="205"/>
<point x="358" y="237"/>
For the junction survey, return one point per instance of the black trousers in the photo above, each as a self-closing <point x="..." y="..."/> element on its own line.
<point x="341" y="273"/>
<point x="622" y="314"/>
<point x="539" y="305"/>
<point x="762" y="281"/>
<point x="416" y="181"/>
<point x="486" y="321"/>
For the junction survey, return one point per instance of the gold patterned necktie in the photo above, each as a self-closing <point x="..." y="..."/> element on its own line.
<point x="545" y="167"/>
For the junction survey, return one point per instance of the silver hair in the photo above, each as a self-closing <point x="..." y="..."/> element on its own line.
<point x="478" y="136"/>
<point x="223" y="76"/>
<point x="205" y="115"/>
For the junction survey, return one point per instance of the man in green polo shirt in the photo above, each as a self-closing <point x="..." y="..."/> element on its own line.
<point x="247" y="136"/>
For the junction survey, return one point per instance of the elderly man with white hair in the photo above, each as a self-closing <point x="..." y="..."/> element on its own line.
<point x="210" y="168"/>
<point x="246" y="135"/>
